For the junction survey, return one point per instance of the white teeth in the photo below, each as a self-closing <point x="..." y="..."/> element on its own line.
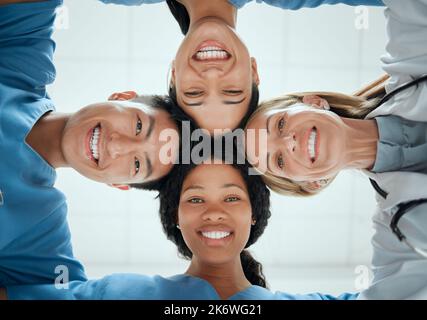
<point x="211" y="48"/>
<point x="215" y="234"/>
<point x="211" y="53"/>
<point x="94" y="143"/>
<point x="312" y="144"/>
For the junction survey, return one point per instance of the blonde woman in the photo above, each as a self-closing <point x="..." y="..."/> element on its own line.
<point x="311" y="137"/>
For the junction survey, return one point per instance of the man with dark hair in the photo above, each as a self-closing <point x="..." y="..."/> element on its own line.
<point x="118" y="142"/>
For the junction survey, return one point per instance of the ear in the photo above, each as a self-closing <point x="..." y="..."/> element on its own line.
<point x="315" y="186"/>
<point x="123" y="187"/>
<point x="255" y="74"/>
<point x="126" y="95"/>
<point x="316" y="102"/>
<point x="172" y="80"/>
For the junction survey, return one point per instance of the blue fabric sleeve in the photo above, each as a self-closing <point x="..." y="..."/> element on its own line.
<point x="111" y="287"/>
<point x="26" y="47"/>
<point x="41" y="255"/>
<point x="298" y="4"/>
<point x="314" y="296"/>
<point x="76" y="290"/>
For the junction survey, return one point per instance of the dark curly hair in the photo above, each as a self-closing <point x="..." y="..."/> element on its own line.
<point x="253" y="104"/>
<point x="259" y="195"/>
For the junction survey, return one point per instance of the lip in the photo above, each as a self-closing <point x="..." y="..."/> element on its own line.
<point x="87" y="144"/>
<point x="317" y="146"/>
<point x="215" y="242"/>
<point x="211" y="43"/>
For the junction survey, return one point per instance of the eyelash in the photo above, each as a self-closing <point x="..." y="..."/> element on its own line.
<point x="137" y="166"/>
<point x="193" y="93"/>
<point x="199" y="200"/>
<point x="138" y="131"/>
<point x="191" y="200"/>
<point x="138" y="126"/>
<point x="281" y="124"/>
<point x="232" y="197"/>
<point x="233" y="92"/>
<point x="280" y="162"/>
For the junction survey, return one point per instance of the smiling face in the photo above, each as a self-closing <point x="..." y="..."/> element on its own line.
<point x="213" y="75"/>
<point x="215" y="213"/>
<point x="303" y="143"/>
<point x="117" y="142"/>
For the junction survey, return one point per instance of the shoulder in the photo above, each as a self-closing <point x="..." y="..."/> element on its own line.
<point x="128" y="286"/>
<point x="27" y="47"/>
<point x="298" y="4"/>
<point x="406" y="52"/>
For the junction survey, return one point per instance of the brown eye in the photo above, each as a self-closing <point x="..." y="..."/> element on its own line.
<point x="281" y="124"/>
<point x="232" y="199"/>
<point x="137" y="166"/>
<point x="280" y="162"/>
<point x="138" y="126"/>
<point x="195" y="200"/>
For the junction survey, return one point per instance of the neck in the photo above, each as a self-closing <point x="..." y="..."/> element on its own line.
<point x="362" y="138"/>
<point x="221" y="9"/>
<point x="45" y="138"/>
<point x="227" y="279"/>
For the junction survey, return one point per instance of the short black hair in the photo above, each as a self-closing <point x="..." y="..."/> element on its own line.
<point x="176" y="113"/>
<point x="253" y="104"/>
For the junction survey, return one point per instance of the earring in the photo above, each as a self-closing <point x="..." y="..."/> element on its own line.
<point x="177" y="226"/>
<point x="253" y="222"/>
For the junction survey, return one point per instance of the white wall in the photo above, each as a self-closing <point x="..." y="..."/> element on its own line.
<point x="311" y="244"/>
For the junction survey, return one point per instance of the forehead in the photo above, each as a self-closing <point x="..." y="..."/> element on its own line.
<point x="129" y="104"/>
<point x="280" y="109"/>
<point x="214" y="175"/>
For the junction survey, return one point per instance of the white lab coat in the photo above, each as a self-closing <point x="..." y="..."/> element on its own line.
<point x="399" y="272"/>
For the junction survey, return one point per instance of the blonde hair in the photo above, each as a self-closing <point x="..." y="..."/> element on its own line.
<point x="343" y="105"/>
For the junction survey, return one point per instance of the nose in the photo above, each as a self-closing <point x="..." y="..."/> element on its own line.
<point x="212" y="72"/>
<point x="290" y="142"/>
<point x="214" y="214"/>
<point x="119" y="145"/>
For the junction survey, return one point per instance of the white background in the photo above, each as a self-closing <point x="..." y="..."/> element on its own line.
<point x="310" y="244"/>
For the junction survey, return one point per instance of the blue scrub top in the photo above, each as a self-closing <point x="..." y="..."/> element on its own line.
<point x="284" y="4"/>
<point x="140" y="287"/>
<point x="34" y="234"/>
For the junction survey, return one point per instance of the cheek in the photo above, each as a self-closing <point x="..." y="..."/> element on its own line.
<point x="188" y="214"/>
<point x="295" y="171"/>
<point x="243" y="222"/>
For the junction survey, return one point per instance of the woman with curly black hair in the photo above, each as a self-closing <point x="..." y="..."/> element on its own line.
<point x="212" y="212"/>
<point x="218" y="212"/>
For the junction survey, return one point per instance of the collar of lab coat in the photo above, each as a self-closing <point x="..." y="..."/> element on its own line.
<point x="400" y="187"/>
<point x="410" y="104"/>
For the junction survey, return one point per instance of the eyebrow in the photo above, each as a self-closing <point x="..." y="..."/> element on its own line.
<point x="227" y="102"/>
<point x="227" y="185"/>
<point x="149" y="166"/>
<point x="193" y="187"/>
<point x="150" y="126"/>
<point x="268" y="162"/>
<point x="268" y="123"/>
